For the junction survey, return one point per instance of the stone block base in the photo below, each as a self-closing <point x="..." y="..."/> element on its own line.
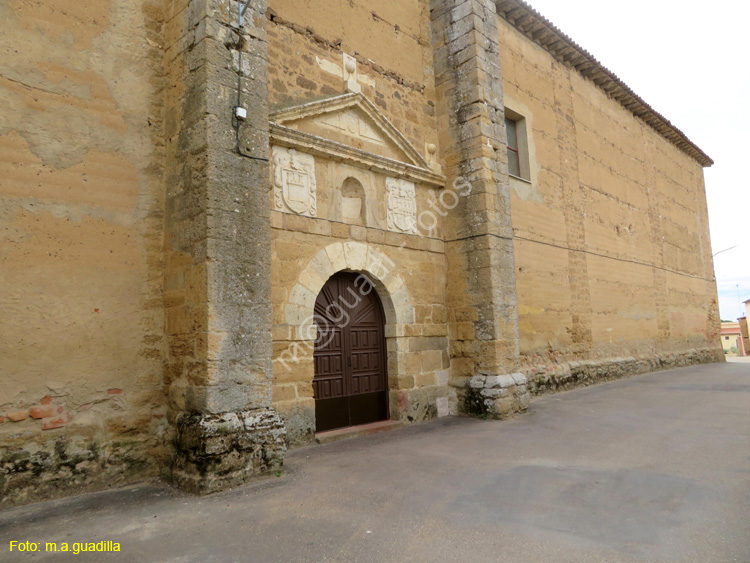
<point x="494" y="396"/>
<point x="419" y="404"/>
<point x="216" y="452"/>
<point x="299" y="420"/>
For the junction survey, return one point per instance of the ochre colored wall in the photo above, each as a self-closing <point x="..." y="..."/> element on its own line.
<point x="80" y="249"/>
<point x="394" y="35"/>
<point x="108" y="105"/>
<point x="305" y="50"/>
<point x="306" y="41"/>
<point x="612" y="245"/>
<point x="731" y="336"/>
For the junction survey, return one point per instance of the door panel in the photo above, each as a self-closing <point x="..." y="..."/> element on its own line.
<point x="350" y="384"/>
<point x="329" y="367"/>
<point x="368" y="407"/>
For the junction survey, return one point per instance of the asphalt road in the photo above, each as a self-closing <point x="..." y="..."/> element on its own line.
<point x="651" y="468"/>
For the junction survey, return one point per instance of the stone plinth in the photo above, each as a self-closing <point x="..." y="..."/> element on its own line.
<point x="494" y="396"/>
<point x="216" y="452"/>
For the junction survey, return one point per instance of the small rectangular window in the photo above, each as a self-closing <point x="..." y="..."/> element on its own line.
<point x="514" y="159"/>
<point x="517" y="131"/>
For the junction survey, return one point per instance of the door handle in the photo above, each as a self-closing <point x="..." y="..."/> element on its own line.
<point x="349" y="359"/>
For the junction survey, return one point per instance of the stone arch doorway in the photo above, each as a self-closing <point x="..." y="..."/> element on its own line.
<point x="350" y="385"/>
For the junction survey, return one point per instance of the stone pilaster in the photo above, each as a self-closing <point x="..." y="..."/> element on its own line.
<point x="483" y="316"/>
<point x="217" y="246"/>
<point x="574" y="209"/>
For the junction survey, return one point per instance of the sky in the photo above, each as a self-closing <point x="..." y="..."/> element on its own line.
<point x="690" y="61"/>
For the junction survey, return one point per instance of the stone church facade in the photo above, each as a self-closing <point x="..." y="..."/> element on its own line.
<point x="224" y="231"/>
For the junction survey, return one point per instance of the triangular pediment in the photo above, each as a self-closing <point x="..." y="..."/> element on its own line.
<point x="351" y="120"/>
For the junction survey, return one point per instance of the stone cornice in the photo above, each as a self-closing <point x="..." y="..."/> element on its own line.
<point x="540" y="30"/>
<point x="325" y="148"/>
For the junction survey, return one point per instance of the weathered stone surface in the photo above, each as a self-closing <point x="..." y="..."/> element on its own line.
<point x="563" y="376"/>
<point x="494" y="396"/>
<point x="215" y="452"/>
<point x="481" y="284"/>
<point x="64" y="465"/>
<point x="231" y="433"/>
<point x="419" y="403"/>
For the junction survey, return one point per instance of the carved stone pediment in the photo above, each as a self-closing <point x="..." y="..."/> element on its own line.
<point x="351" y="128"/>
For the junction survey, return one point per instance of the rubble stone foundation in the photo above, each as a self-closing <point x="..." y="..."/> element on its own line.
<point x="495" y="396"/>
<point x="216" y="452"/>
<point x="551" y="378"/>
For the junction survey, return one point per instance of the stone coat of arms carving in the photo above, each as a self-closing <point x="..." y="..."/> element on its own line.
<point x="294" y="188"/>
<point x="402" y="205"/>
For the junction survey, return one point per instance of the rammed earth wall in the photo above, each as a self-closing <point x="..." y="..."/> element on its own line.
<point x="611" y="240"/>
<point x="82" y="402"/>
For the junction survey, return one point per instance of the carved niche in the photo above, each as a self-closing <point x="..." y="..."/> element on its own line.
<point x="402" y="205"/>
<point x="294" y="189"/>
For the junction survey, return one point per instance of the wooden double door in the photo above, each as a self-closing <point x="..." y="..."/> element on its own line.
<point x="350" y="384"/>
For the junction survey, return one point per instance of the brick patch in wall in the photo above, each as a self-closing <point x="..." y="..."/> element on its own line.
<point x="18" y="416"/>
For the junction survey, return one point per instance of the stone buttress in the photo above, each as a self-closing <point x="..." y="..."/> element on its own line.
<point x="217" y="246"/>
<point x="483" y="316"/>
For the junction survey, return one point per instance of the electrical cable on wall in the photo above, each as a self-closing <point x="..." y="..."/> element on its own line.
<point x="240" y="113"/>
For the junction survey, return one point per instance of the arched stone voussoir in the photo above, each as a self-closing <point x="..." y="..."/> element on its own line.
<point x="336" y="256"/>
<point x="317" y="271"/>
<point x="302" y="296"/>
<point x="355" y="257"/>
<point x="355" y="254"/>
